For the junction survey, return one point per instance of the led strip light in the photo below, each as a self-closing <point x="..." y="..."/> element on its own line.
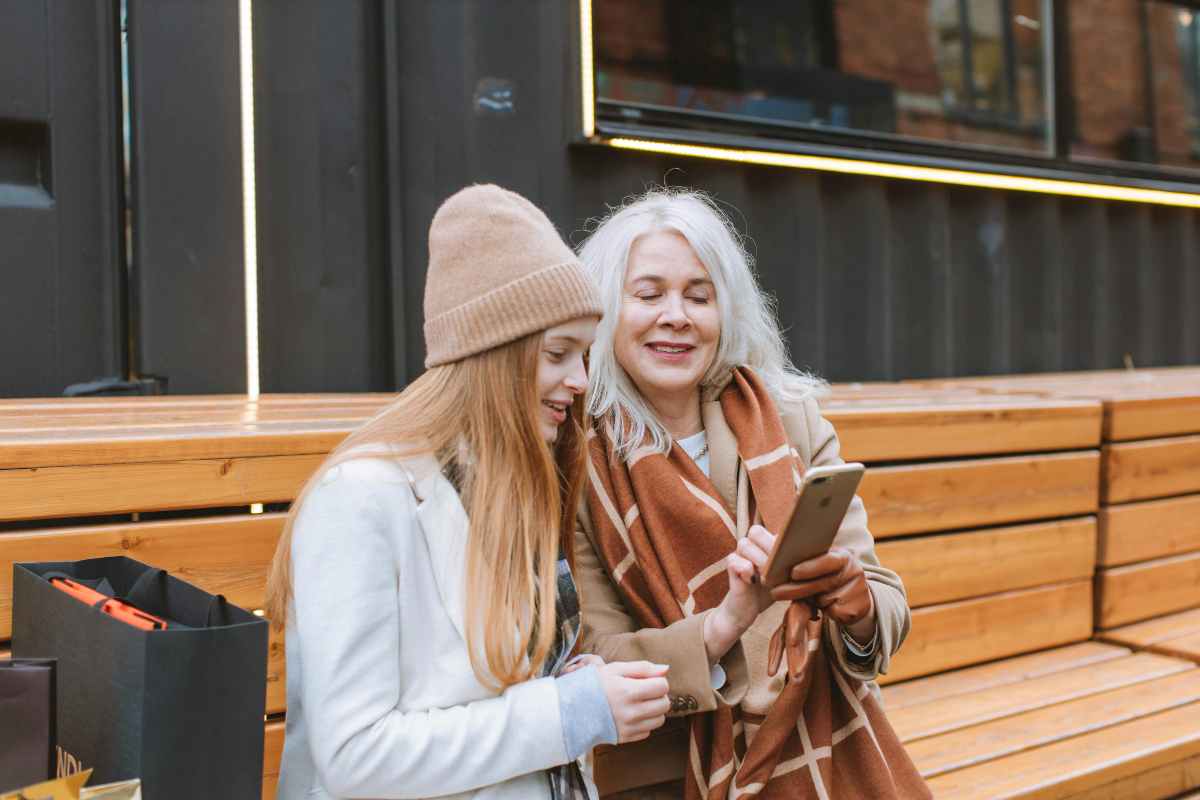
<point x="586" y="71"/>
<point x="249" y="201"/>
<point x="883" y="169"/>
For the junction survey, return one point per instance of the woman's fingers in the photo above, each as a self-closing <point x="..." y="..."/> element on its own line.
<point x="740" y="567"/>
<point x="750" y="551"/>
<point x="762" y="538"/>
<point x="581" y="661"/>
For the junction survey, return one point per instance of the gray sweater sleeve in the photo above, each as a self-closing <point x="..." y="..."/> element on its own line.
<point x="586" y="718"/>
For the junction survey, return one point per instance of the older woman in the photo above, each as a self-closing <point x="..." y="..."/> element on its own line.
<point x="700" y="429"/>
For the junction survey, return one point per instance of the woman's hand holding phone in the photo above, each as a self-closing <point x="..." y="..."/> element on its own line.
<point x="838" y="585"/>
<point x="747" y="596"/>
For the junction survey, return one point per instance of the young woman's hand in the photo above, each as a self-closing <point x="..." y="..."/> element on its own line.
<point x="637" y="697"/>
<point x="747" y="597"/>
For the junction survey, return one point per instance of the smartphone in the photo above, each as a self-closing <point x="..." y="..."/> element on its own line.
<point x="825" y="496"/>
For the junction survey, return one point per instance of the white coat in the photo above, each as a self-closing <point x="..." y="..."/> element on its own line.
<point x="382" y="700"/>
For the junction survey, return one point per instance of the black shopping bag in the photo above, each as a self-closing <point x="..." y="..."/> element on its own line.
<point x="27" y="731"/>
<point x="181" y="708"/>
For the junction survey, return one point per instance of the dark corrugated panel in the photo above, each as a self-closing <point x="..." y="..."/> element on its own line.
<point x="324" y="310"/>
<point x="188" y="193"/>
<point x="59" y="309"/>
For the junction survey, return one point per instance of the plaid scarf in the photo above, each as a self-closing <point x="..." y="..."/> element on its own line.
<point x="663" y="532"/>
<point x="566" y="782"/>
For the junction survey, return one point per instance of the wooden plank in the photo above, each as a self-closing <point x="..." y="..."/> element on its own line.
<point x="1181" y="647"/>
<point x="276" y="672"/>
<point x="1151" y="468"/>
<point x="946" y="495"/>
<point x="1140" y="591"/>
<point x="50" y="492"/>
<point x="117" y="419"/>
<point x="273" y="737"/>
<point x="1139" y="404"/>
<point x="954" y="566"/>
<point x="998" y="673"/>
<point x="984" y="629"/>
<point x="1149" y="529"/>
<point x="1158" y="783"/>
<point x="956" y="713"/>
<point x="55" y="405"/>
<point x="1145" y="418"/>
<point x="1159" y="629"/>
<point x="902" y="429"/>
<point x="967" y="747"/>
<point x="86" y="449"/>
<point x="1083" y="763"/>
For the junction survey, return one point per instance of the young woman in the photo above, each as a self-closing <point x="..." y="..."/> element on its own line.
<point x="702" y="429"/>
<point x="423" y="574"/>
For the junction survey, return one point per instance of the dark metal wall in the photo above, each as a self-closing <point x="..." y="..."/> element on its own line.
<point x="59" y="246"/>
<point x="367" y="117"/>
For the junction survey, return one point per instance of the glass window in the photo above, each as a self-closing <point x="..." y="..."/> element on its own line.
<point x="969" y="72"/>
<point x="1135" y="82"/>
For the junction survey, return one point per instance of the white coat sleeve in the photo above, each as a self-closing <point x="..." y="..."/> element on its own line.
<point x="348" y="585"/>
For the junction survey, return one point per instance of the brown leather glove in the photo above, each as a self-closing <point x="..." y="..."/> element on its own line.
<point x="835" y="581"/>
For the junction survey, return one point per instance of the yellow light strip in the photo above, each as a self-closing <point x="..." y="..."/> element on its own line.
<point x="249" y="200"/>
<point x="880" y="169"/>
<point x="587" y="87"/>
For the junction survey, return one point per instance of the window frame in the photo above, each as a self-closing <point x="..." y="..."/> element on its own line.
<point x="684" y="126"/>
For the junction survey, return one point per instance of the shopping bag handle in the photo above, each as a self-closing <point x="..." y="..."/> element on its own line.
<point x="149" y="591"/>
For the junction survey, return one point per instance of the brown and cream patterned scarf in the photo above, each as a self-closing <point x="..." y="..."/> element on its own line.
<point x="664" y="532"/>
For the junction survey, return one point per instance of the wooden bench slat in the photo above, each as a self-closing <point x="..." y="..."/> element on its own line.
<point x="905" y="429"/>
<point x="988" y="741"/>
<point x="964" y="711"/>
<point x="998" y="673"/>
<point x="54" y="405"/>
<point x="1159" y="629"/>
<point x="921" y="498"/>
<point x="1141" y="531"/>
<point x="273" y="736"/>
<point x="1139" y="404"/>
<point x="1082" y="763"/>
<point x="1139" y="591"/>
<point x="983" y="629"/>
<point x="65" y="451"/>
<point x="50" y="492"/>
<point x="1151" y="468"/>
<point x="182" y="419"/>
<point x="1181" y="647"/>
<point x="954" y="566"/>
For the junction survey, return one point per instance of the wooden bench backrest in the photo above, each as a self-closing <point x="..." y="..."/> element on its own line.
<point x="983" y="503"/>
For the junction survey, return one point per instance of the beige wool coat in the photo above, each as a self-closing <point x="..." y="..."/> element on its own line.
<point x="609" y="631"/>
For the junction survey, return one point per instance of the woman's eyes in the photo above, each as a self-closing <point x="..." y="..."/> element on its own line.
<point x="556" y="355"/>
<point x="656" y="295"/>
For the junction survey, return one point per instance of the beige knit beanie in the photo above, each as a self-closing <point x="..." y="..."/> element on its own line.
<point x="498" y="270"/>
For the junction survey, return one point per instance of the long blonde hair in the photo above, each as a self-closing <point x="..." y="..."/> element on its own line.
<point x="520" y="496"/>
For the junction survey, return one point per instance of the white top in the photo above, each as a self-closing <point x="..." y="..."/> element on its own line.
<point x="382" y="700"/>
<point x="693" y="445"/>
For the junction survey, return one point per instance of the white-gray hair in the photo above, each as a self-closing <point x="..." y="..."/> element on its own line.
<point x="750" y="333"/>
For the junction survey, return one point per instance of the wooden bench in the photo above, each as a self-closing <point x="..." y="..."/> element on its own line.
<point x="69" y="466"/>
<point x="1149" y="529"/>
<point x="1143" y="739"/>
